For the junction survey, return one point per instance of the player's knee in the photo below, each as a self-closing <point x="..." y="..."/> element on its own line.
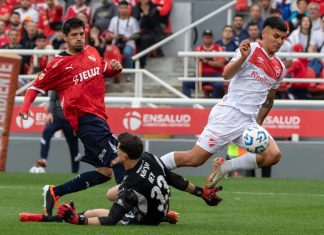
<point x="110" y="195"/>
<point x="275" y="158"/>
<point x="105" y="171"/>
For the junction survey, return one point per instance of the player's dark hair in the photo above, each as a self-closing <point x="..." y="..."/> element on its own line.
<point x="123" y="3"/>
<point x="275" y="22"/>
<point x="72" y="23"/>
<point x="131" y="144"/>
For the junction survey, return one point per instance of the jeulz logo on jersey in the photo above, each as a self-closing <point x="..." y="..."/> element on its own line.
<point x="134" y="120"/>
<point x="90" y="73"/>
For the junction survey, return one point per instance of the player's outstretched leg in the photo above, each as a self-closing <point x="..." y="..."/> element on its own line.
<point x="194" y="157"/>
<point x="248" y="161"/>
<point x="83" y="181"/>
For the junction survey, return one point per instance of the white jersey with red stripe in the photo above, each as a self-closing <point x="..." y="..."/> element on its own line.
<point x="259" y="73"/>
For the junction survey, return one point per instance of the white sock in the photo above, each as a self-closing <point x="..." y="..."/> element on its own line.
<point x="168" y="161"/>
<point x="245" y="162"/>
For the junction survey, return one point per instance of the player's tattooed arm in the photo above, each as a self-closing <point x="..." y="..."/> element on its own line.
<point x="266" y="107"/>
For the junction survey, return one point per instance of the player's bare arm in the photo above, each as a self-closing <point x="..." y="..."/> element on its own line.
<point x="233" y="67"/>
<point x="266" y="107"/>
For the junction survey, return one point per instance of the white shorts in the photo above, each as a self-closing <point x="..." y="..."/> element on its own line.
<point x="225" y="124"/>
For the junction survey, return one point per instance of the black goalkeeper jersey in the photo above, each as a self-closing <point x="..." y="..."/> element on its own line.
<point x="145" y="191"/>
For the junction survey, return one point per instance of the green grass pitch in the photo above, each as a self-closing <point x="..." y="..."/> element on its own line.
<point x="250" y="206"/>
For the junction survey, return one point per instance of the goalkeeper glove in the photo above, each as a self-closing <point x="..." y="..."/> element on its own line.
<point x="67" y="212"/>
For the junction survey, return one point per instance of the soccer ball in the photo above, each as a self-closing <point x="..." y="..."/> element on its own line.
<point x="256" y="139"/>
<point x="37" y="170"/>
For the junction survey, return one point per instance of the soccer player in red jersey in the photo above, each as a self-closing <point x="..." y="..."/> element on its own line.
<point x="77" y="75"/>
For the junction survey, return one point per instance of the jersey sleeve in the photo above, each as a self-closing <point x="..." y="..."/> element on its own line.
<point x="107" y="70"/>
<point x="277" y="83"/>
<point x="237" y="55"/>
<point x="46" y="80"/>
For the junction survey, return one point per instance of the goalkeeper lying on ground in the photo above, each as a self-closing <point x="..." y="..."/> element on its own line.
<point x="142" y="197"/>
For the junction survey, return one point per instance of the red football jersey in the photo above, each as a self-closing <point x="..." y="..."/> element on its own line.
<point x="3" y="40"/>
<point x="72" y="11"/>
<point x="79" y="82"/>
<point x="205" y="68"/>
<point x="50" y="15"/>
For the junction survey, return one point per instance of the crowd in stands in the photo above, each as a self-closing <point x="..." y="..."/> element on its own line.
<point x="305" y="21"/>
<point x="117" y="28"/>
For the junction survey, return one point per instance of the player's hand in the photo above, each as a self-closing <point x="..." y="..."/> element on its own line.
<point x="23" y="115"/>
<point x="245" y="48"/>
<point x="67" y="212"/>
<point x="49" y="118"/>
<point x="115" y="65"/>
<point x="210" y="197"/>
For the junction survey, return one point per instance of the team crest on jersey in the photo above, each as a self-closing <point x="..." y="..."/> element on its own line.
<point x="41" y="76"/>
<point x="92" y="58"/>
<point x="277" y="70"/>
<point x="211" y="142"/>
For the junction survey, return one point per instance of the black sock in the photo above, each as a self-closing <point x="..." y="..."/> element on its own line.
<point x="81" y="182"/>
<point x="54" y="218"/>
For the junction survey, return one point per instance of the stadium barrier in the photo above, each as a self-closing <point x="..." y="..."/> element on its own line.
<point x="181" y="121"/>
<point x="197" y="79"/>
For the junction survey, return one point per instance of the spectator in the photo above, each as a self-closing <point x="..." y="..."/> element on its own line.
<point x="58" y="42"/>
<point x="255" y="16"/>
<point x="14" y="21"/>
<point x="227" y="42"/>
<point x="3" y="37"/>
<point x="298" y="69"/>
<point x="56" y="121"/>
<point x="164" y="7"/>
<point x="50" y="20"/>
<point x="39" y="62"/>
<point x="104" y="14"/>
<point x="253" y="32"/>
<point x="302" y="34"/>
<point x="313" y="9"/>
<point x="13" y="42"/>
<point x="208" y="67"/>
<point x="13" y="3"/>
<point x="148" y="17"/>
<point x="296" y="16"/>
<point x="265" y="9"/>
<point x="316" y="43"/>
<point x="85" y="18"/>
<point x="28" y="42"/>
<point x="124" y="30"/>
<point x="5" y="11"/>
<point x="240" y="33"/>
<point x="95" y="40"/>
<point x="79" y="6"/>
<point x="27" y="12"/>
<point x="284" y="7"/>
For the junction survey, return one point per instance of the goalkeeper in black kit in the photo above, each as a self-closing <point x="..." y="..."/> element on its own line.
<point x="142" y="197"/>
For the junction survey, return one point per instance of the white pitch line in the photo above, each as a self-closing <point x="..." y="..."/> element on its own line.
<point x="278" y="194"/>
